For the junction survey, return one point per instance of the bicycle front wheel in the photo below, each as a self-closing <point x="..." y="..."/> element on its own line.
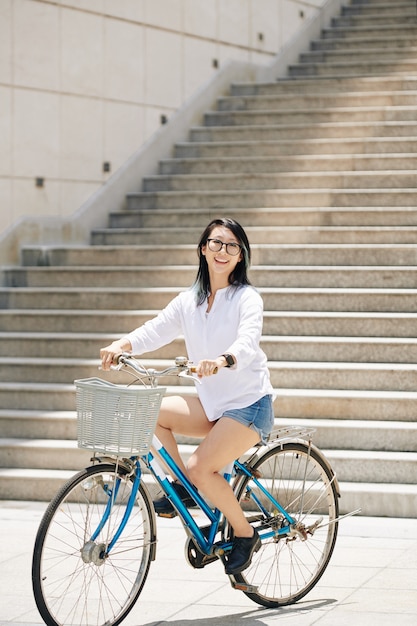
<point x="286" y="568"/>
<point x="74" y="580"/>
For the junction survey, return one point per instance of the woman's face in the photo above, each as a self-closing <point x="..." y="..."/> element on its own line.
<point x="221" y="262"/>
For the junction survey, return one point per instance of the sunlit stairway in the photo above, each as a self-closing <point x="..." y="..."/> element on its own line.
<point x="321" y="170"/>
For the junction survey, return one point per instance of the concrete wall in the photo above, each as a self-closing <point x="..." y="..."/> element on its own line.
<point x="85" y="83"/>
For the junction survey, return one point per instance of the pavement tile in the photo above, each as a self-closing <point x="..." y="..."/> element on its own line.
<point x="373" y="557"/>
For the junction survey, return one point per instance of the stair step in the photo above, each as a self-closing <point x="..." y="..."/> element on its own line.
<point x="359" y="466"/>
<point x="42" y="397"/>
<point x="39" y="320"/>
<point x="158" y="276"/>
<point x="345" y="324"/>
<point x="43" y="454"/>
<point x="278" y="323"/>
<point x="336" y="404"/>
<point x="279" y="299"/>
<point x="85" y="298"/>
<point x="312" y="116"/>
<point x="330" y="100"/>
<point x="290" y="403"/>
<point x="344" y="375"/>
<point x="380" y="7"/>
<point x="345" y="84"/>
<point x="296" y="147"/>
<point x="359" y="55"/>
<point x="365" y="466"/>
<point x="41" y="485"/>
<point x="359" y="300"/>
<point x="262" y="254"/>
<point x="278" y="165"/>
<point x="376" y="17"/>
<point x="49" y="256"/>
<point x="374" y="467"/>
<point x="327" y="180"/>
<point x="338" y="375"/>
<point x="33" y="424"/>
<point x="360" y="435"/>
<point x="305" y="131"/>
<point x="378" y="499"/>
<point x="152" y="221"/>
<point x="303" y="216"/>
<point x="54" y="396"/>
<point x="219" y="200"/>
<point x="390" y="30"/>
<point x="317" y="235"/>
<point x="342" y="349"/>
<point x="394" y="43"/>
<point x="382" y="500"/>
<point x="357" y="68"/>
<point x="30" y="484"/>
<point x="380" y="277"/>
<point x="27" y="348"/>
<point x="38" y="346"/>
<point x="331" y="434"/>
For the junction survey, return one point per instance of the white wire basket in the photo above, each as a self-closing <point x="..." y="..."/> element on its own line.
<point x="116" y="419"/>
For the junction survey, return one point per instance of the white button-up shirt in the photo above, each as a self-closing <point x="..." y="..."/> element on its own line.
<point x="234" y="325"/>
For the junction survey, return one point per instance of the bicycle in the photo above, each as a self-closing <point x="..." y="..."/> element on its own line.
<point x="97" y="538"/>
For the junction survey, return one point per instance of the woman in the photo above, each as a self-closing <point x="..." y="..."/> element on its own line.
<point x="221" y="320"/>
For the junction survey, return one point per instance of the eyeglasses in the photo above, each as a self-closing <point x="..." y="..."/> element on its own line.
<point x="215" y="245"/>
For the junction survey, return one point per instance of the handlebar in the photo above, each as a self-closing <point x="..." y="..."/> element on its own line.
<point x="183" y="367"/>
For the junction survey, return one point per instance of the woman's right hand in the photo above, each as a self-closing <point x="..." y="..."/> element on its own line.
<point x="109" y="354"/>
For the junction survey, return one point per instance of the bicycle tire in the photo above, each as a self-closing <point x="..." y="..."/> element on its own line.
<point x="75" y="587"/>
<point x="286" y="569"/>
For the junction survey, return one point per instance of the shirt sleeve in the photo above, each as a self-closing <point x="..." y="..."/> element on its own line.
<point x="246" y="345"/>
<point x="159" y="331"/>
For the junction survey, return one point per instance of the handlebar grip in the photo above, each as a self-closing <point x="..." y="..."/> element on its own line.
<point x="121" y="357"/>
<point x="193" y="370"/>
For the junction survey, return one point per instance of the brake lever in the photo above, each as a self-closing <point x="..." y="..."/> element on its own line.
<point x="190" y="376"/>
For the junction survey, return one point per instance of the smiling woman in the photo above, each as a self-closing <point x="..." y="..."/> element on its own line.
<point x="227" y="260"/>
<point x="221" y="318"/>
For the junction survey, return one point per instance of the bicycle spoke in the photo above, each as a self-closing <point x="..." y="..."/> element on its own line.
<point x="75" y="581"/>
<point x="288" y="566"/>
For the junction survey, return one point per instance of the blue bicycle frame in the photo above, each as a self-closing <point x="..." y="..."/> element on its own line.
<point x="205" y="541"/>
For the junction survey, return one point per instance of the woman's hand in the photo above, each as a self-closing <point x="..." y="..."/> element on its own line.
<point x="208" y="367"/>
<point x="109" y="354"/>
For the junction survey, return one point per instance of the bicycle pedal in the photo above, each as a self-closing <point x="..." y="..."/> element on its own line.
<point x="244" y="587"/>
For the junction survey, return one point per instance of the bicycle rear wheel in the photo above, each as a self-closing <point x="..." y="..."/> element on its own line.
<point x="285" y="569"/>
<point x="74" y="582"/>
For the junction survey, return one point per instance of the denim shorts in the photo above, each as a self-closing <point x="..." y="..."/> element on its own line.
<point x="259" y="416"/>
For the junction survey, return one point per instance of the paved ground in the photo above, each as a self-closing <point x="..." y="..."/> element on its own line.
<point x="371" y="580"/>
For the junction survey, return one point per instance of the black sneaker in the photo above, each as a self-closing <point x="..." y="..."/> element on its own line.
<point x="240" y="556"/>
<point x="163" y="506"/>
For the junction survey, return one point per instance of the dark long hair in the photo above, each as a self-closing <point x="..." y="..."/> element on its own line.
<point x="239" y="275"/>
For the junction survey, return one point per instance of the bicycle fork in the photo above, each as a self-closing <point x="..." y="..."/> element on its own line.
<point x="97" y="553"/>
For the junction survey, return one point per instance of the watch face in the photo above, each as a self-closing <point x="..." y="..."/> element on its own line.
<point x="229" y="359"/>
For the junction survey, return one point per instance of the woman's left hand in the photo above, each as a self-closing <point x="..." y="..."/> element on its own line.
<point x="208" y="367"/>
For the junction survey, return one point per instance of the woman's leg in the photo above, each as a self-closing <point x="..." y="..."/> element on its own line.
<point x="225" y="442"/>
<point x="184" y="416"/>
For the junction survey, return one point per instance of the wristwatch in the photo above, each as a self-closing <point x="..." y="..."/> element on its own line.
<point x="230" y="360"/>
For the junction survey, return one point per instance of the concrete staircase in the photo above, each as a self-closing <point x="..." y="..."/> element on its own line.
<point x="321" y="171"/>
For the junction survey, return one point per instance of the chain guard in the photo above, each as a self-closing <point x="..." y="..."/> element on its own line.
<point x="195" y="557"/>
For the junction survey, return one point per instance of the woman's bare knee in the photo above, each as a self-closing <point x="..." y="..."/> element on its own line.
<point x="199" y="471"/>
